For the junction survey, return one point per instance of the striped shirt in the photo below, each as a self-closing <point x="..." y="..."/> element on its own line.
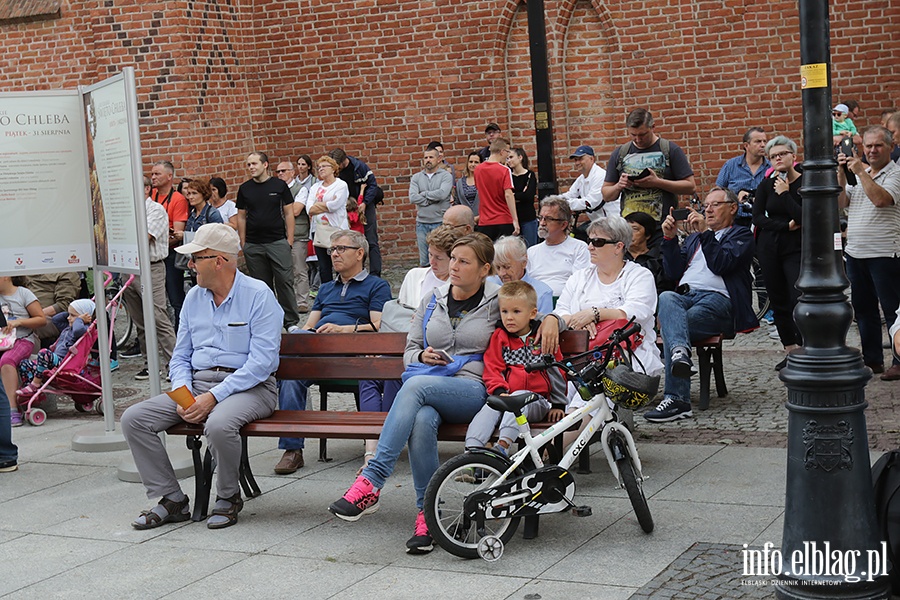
<point x="158" y="228"/>
<point x="874" y="232"/>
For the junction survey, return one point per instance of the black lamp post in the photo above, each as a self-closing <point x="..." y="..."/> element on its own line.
<point x="829" y="505"/>
<point x="540" y="91"/>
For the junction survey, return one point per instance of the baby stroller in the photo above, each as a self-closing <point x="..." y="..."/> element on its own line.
<point x="78" y="375"/>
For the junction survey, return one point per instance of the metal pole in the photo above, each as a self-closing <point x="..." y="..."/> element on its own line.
<point x="829" y="504"/>
<point x="540" y="89"/>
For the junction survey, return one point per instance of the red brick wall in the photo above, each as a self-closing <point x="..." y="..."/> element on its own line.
<point x="381" y="78"/>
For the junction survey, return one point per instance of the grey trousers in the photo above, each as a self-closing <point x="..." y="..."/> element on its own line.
<point x="165" y="333"/>
<point x="301" y="275"/>
<point x="143" y="421"/>
<point x="272" y="264"/>
<point x="482" y="426"/>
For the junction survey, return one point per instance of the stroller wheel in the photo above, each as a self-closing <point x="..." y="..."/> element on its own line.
<point x="84" y="408"/>
<point x="98" y="406"/>
<point x="36" y="416"/>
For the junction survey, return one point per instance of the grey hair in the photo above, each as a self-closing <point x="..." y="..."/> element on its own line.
<point x="510" y="248"/>
<point x="562" y="205"/>
<point x="616" y="227"/>
<point x="781" y="140"/>
<point x="884" y="132"/>
<point x="356" y="238"/>
<point x="168" y="166"/>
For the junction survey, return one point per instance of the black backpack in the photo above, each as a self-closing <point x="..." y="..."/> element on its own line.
<point x="886" y="481"/>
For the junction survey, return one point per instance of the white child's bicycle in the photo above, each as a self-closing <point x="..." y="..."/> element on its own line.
<point x="474" y="500"/>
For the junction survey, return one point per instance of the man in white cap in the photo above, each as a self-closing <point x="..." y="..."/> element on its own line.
<point x="226" y="355"/>
<point x="585" y="194"/>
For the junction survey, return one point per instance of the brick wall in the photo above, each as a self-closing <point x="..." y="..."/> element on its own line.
<point x="381" y="78"/>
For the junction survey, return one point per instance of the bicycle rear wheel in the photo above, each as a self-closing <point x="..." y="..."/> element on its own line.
<point x="444" y="498"/>
<point x="123" y="326"/>
<point x="759" y="297"/>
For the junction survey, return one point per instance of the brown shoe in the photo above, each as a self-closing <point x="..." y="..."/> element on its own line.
<point x="290" y="462"/>
<point x="892" y="374"/>
<point x="876" y="369"/>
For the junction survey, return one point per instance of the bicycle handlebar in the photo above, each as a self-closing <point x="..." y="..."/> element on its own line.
<point x="615" y="339"/>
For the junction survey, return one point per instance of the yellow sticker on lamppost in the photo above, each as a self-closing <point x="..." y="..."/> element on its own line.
<point x="814" y="76"/>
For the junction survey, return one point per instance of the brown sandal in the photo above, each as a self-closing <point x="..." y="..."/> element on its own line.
<point x="230" y="514"/>
<point x="176" y="514"/>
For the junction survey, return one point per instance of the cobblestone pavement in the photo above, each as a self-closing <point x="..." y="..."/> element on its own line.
<point x="704" y="571"/>
<point x="752" y="414"/>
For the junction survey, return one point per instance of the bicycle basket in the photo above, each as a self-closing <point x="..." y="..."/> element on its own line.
<point x="628" y="388"/>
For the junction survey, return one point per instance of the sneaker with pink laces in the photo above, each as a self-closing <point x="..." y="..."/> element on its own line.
<point x="420" y="542"/>
<point x="361" y="499"/>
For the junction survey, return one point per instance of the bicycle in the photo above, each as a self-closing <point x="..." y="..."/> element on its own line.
<point x="472" y="516"/>
<point x="123" y="325"/>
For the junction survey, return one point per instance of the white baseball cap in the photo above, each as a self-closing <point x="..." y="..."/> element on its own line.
<point x="213" y="236"/>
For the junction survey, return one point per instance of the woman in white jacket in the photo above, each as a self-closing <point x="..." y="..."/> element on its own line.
<point x="327" y="208"/>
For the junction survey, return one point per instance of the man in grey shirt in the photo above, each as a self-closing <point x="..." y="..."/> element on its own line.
<point x="429" y="190"/>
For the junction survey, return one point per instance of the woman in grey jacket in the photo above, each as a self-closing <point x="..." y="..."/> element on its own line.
<point x="458" y="319"/>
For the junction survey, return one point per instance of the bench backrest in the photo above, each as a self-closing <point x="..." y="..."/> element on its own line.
<point x="329" y="356"/>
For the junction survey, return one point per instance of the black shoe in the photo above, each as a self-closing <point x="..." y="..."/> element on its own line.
<point x="670" y="409"/>
<point x="134" y="351"/>
<point x="681" y="363"/>
<point x="143" y="374"/>
<point x="781" y="364"/>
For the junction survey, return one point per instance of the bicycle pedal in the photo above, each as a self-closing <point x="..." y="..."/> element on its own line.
<point x="582" y="511"/>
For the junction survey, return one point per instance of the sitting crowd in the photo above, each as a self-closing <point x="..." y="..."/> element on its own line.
<point x="499" y="277"/>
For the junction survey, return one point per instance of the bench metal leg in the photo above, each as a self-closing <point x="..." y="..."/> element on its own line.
<point x="203" y="472"/>
<point x="704" y="360"/>
<point x="532" y="522"/>
<point x="719" y="372"/>
<point x="248" y="483"/>
<point x="323" y="442"/>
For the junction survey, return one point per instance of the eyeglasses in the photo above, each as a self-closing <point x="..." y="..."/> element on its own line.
<point x="320" y="167"/>
<point x="340" y="249"/>
<point x="280" y="171"/>
<point x="551" y="219"/>
<point x="714" y="205"/>
<point x="780" y="155"/>
<point x="195" y="259"/>
<point x="599" y="242"/>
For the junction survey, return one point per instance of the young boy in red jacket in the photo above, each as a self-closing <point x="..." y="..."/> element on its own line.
<point x="511" y="348"/>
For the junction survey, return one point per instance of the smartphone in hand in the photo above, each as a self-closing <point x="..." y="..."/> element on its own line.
<point x="681" y="214"/>
<point x="444" y="356"/>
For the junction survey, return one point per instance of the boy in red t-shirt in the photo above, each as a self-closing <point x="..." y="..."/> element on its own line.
<point x="497" y="203"/>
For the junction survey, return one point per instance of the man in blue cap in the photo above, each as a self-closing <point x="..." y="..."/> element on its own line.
<point x="585" y="193"/>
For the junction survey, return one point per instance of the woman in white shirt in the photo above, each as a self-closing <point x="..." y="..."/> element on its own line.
<point x="327" y="208"/>
<point x="613" y="289"/>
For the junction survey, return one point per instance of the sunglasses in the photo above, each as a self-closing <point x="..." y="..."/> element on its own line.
<point x="599" y="242"/>
<point x="279" y="171"/>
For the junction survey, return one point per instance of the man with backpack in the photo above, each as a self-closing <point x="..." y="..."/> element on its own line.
<point x="649" y="172"/>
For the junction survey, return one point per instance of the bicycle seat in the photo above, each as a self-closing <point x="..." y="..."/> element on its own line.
<point x="513" y="404"/>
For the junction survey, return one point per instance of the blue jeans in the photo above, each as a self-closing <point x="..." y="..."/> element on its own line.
<point x="686" y="318"/>
<point x="421" y="405"/>
<point x="8" y="450"/>
<point x="873" y="281"/>
<point x="422" y="231"/>
<point x="528" y="231"/>
<point x="292" y="395"/>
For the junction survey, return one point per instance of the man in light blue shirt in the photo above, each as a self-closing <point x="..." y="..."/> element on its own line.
<point x="743" y="174"/>
<point x="226" y="355"/>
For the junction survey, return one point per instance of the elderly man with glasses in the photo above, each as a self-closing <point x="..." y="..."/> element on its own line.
<point x="712" y="269"/>
<point x="555" y="259"/>
<point x="351" y="303"/>
<point x="226" y="356"/>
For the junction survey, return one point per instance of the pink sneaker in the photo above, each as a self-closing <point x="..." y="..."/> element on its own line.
<point x="420" y="542"/>
<point x="27" y="391"/>
<point x="15" y="418"/>
<point x="361" y="499"/>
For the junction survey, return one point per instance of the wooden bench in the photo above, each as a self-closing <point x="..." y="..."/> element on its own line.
<point x="326" y="358"/>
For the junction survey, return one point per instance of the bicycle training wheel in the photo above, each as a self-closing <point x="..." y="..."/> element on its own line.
<point x="635" y="489"/>
<point x="450" y="484"/>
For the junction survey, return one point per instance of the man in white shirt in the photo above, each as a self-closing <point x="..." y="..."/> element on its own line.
<point x="158" y="230"/>
<point x="873" y="243"/>
<point x="585" y="193"/>
<point x="553" y="260"/>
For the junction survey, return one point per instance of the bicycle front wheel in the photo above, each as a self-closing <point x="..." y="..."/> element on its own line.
<point x="635" y="489"/>
<point x="444" y="503"/>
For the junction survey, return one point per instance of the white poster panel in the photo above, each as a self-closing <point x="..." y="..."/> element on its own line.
<point x="44" y="217"/>
<point x="111" y="175"/>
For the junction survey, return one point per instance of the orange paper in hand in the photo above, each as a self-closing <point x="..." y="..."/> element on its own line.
<point x="182" y="397"/>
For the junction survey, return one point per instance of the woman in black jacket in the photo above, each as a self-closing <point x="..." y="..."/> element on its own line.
<point x="777" y="216"/>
